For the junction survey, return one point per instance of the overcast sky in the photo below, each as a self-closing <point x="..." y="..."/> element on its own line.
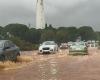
<point x="57" y="12"/>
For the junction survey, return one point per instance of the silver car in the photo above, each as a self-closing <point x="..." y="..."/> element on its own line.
<point x="48" y="47"/>
<point x="8" y="50"/>
<point x="77" y="48"/>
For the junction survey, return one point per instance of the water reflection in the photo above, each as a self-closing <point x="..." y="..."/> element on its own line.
<point x="53" y="68"/>
<point x="49" y="69"/>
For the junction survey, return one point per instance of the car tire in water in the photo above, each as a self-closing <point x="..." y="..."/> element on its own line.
<point x="18" y="54"/>
<point x="2" y="57"/>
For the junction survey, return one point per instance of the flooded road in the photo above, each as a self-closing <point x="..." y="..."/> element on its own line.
<point x="58" y="66"/>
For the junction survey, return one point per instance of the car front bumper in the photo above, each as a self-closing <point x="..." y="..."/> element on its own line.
<point x="46" y="51"/>
<point x="78" y="51"/>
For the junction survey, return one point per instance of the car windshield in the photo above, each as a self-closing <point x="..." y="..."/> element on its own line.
<point x="49" y="43"/>
<point x="78" y="43"/>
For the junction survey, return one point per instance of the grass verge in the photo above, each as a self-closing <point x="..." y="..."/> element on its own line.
<point x="21" y="62"/>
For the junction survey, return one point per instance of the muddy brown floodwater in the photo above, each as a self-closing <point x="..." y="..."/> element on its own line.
<point x="58" y="66"/>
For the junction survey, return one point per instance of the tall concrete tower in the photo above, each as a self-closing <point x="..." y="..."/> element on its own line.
<point x="40" y="17"/>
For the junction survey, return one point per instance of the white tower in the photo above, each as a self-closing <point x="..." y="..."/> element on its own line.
<point x="40" y="18"/>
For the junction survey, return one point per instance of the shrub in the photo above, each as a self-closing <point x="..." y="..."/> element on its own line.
<point x="23" y="45"/>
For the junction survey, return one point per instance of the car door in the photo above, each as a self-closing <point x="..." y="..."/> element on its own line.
<point x="12" y="47"/>
<point x="9" y="50"/>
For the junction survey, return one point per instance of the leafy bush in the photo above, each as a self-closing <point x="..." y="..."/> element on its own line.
<point x="25" y="46"/>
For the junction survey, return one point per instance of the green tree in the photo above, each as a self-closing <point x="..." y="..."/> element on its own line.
<point x="87" y="33"/>
<point x="18" y="30"/>
<point x="33" y="36"/>
<point x="72" y="33"/>
<point x="48" y="35"/>
<point x="62" y="34"/>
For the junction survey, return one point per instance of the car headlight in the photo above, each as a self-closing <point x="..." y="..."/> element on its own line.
<point x="51" y="49"/>
<point x="40" y="48"/>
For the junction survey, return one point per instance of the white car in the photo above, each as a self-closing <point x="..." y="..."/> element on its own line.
<point x="78" y="47"/>
<point x="48" y="47"/>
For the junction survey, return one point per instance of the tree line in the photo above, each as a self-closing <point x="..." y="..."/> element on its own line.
<point x="29" y="38"/>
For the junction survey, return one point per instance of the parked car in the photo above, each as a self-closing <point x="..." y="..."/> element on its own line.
<point x="78" y="47"/>
<point x="48" y="47"/>
<point x="63" y="46"/>
<point x="8" y="50"/>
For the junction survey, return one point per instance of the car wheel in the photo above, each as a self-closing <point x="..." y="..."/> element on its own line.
<point x="2" y="57"/>
<point x="18" y="54"/>
<point x="14" y="57"/>
<point x="9" y="57"/>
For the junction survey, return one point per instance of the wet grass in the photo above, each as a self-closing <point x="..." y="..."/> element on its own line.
<point x="24" y="59"/>
<point x="21" y="61"/>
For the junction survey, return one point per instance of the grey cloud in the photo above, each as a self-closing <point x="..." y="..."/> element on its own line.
<point x="84" y="13"/>
<point x="58" y="12"/>
<point x="16" y="13"/>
